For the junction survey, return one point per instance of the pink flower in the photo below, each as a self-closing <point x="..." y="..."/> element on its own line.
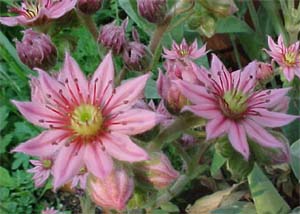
<point x="49" y="211"/>
<point x="184" y="51"/>
<point x="231" y="105"/>
<point x="80" y="179"/>
<point x="112" y="192"/>
<point x="287" y="57"/>
<point x="41" y="171"/>
<point x="38" y="12"/>
<point x="88" y="121"/>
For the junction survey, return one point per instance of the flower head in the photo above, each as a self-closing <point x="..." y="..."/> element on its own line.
<point x="153" y="11"/>
<point x="38" y="12"/>
<point x="41" y="171"/>
<point x="231" y="105"/>
<point x="113" y="37"/>
<point x="184" y="51"/>
<point x="287" y="57"/>
<point x="88" y="121"/>
<point x="36" y="50"/>
<point x="112" y="192"/>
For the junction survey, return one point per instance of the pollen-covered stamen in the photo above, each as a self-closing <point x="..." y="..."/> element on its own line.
<point x="30" y="9"/>
<point x="234" y="104"/>
<point x="290" y="58"/>
<point x="47" y="164"/>
<point x="86" y="120"/>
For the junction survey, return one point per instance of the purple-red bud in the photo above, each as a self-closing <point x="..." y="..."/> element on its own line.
<point x="158" y="171"/>
<point x="264" y="72"/>
<point x="36" y="50"/>
<point x="113" y="37"/>
<point x="153" y="11"/>
<point x="89" y="6"/>
<point x="113" y="191"/>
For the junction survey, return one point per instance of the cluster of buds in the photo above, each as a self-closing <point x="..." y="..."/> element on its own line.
<point x="89" y="7"/>
<point x="36" y="50"/>
<point x="153" y="11"/>
<point x="135" y="54"/>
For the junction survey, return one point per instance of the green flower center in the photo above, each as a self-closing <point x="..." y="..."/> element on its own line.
<point x="86" y="120"/>
<point x="235" y="104"/>
<point x="47" y="164"/>
<point x="290" y="58"/>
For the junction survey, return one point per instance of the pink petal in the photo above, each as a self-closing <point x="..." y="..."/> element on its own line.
<point x="60" y="8"/>
<point x="217" y="66"/>
<point x="260" y="135"/>
<point x="97" y="161"/>
<point x="101" y="84"/>
<point x="248" y="77"/>
<point x="276" y="96"/>
<point x="288" y="73"/>
<point x="67" y="164"/>
<point x="43" y="145"/>
<point x="127" y="94"/>
<point x="122" y="148"/>
<point x="134" y="121"/>
<point x="207" y="111"/>
<point x="9" y="21"/>
<point x="217" y="127"/>
<point x="272" y="119"/>
<point x="163" y="84"/>
<point x="38" y="114"/>
<point x="73" y="79"/>
<point x="238" y="139"/>
<point x="195" y="93"/>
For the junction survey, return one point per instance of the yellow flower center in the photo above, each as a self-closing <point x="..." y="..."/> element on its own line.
<point x="235" y="104"/>
<point x="47" y="164"/>
<point x="183" y="53"/>
<point x="290" y="58"/>
<point x="86" y="120"/>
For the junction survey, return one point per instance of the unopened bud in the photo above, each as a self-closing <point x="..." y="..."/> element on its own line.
<point x="89" y="6"/>
<point x="220" y="8"/>
<point x="264" y="72"/>
<point x="152" y="10"/>
<point x="113" y="37"/>
<point x="136" y="55"/>
<point x="36" y="50"/>
<point x="114" y="191"/>
<point x="158" y="171"/>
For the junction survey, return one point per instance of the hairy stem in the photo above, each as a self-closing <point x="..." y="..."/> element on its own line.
<point x="89" y="23"/>
<point x="87" y="206"/>
<point x="121" y="75"/>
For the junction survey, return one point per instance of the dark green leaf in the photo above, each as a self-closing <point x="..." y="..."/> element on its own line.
<point x="295" y="162"/>
<point x="232" y="24"/>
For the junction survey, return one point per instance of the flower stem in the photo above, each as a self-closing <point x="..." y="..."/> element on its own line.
<point x="89" y="23"/>
<point x="121" y="75"/>
<point x="87" y="206"/>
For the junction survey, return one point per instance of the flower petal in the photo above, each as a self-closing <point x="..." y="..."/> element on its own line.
<point x="60" y="8"/>
<point x="101" y="84"/>
<point x="43" y="145"/>
<point x="73" y="79"/>
<point x="272" y="119"/>
<point x="260" y="135"/>
<point x="127" y="94"/>
<point x="9" y="21"/>
<point x="97" y="161"/>
<point x="38" y="114"/>
<point x="134" y="121"/>
<point x="207" y="111"/>
<point x="67" y="164"/>
<point x="122" y="148"/>
<point x="217" y="127"/>
<point x="238" y="139"/>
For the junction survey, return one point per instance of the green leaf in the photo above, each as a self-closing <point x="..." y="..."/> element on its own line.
<point x="238" y="207"/>
<point x="151" y="90"/>
<point x="5" y="179"/>
<point x="3" y="116"/>
<point x="129" y="6"/>
<point x="169" y="207"/>
<point x="5" y="142"/>
<point x="232" y="24"/>
<point x="217" y="162"/>
<point x="295" y="162"/>
<point x="265" y="196"/>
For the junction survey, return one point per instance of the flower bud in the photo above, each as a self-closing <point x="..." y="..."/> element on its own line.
<point x="152" y="10"/>
<point x="221" y="8"/>
<point x="89" y="6"/>
<point x="264" y="72"/>
<point x="157" y="171"/>
<point x="113" y="191"/>
<point x="113" y="37"/>
<point x="135" y="54"/>
<point x="36" y="50"/>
